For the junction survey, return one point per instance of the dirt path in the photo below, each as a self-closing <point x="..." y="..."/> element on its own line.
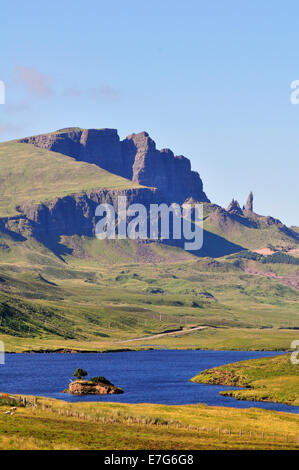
<point x="160" y="335"/>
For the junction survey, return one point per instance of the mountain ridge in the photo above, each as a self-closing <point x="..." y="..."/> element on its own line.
<point x="58" y="183"/>
<point x="62" y="287"/>
<point x="135" y="158"/>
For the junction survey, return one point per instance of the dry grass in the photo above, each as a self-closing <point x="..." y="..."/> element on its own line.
<point x="59" y="425"/>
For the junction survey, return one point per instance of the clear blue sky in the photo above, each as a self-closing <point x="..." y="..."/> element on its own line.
<point x="209" y="79"/>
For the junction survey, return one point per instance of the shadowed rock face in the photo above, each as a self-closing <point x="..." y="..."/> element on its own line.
<point x="234" y="208"/>
<point x="75" y="214"/>
<point x="161" y="169"/>
<point x="98" y="146"/>
<point x="135" y="158"/>
<point x="249" y="203"/>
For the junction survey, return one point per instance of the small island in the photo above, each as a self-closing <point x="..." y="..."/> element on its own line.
<point x="94" y="386"/>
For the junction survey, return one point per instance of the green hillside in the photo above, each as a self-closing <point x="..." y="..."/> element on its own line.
<point x="252" y="231"/>
<point x="30" y="174"/>
<point x="81" y="293"/>
<point x="103" y="292"/>
<point x="269" y="379"/>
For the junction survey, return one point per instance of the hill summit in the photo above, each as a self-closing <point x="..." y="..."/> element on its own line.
<point x="135" y="158"/>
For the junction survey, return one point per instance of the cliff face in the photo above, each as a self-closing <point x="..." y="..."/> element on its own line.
<point x="161" y="169"/>
<point x="99" y="146"/>
<point x="75" y="214"/>
<point x="249" y="203"/>
<point x="234" y="208"/>
<point x="135" y="158"/>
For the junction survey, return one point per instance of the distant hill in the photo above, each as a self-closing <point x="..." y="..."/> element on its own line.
<point x="250" y="230"/>
<point x="60" y="285"/>
<point x="51" y="184"/>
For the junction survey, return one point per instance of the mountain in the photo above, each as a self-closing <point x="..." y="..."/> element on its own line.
<point x="135" y="158"/>
<point x="60" y="286"/>
<point x="52" y="183"/>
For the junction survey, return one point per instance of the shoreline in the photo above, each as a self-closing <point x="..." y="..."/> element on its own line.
<point x="270" y="380"/>
<point x="106" y="351"/>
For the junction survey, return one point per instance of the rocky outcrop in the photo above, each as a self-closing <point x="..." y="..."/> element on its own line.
<point x="234" y="208"/>
<point x="249" y="203"/>
<point x="70" y="215"/>
<point x="135" y="158"/>
<point x="99" y="146"/>
<point x="86" y="387"/>
<point x="161" y="169"/>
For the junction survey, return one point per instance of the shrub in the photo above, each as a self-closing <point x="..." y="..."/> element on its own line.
<point x="100" y="379"/>
<point x="80" y="373"/>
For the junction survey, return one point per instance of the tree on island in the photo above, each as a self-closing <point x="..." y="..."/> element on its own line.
<point x="80" y="373"/>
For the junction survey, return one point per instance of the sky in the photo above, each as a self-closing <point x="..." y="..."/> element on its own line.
<point x="209" y="79"/>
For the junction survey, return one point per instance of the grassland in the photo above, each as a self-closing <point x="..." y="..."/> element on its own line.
<point x="273" y="379"/>
<point x="101" y="293"/>
<point x="82" y="293"/>
<point x="59" y="425"/>
<point x="33" y="175"/>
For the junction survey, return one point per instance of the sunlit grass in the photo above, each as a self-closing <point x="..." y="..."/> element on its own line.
<point x="267" y="379"/>
<point x="59" y="425"/>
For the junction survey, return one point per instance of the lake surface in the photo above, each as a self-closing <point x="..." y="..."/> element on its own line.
<point x="146" y="376"/>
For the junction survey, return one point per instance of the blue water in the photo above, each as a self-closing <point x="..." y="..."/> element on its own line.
<point x="145" y="376"/>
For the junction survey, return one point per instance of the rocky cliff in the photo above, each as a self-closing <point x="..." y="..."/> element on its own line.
<point x="161" y="169"/>
<point x="249" y="203"/>
<point x="135" y="158"/>
<point x="71" y="215"/>
<point x="234" y="208"/>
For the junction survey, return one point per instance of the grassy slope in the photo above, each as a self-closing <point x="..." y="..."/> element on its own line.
<point x="56" y="425"/>
<point x="247" y="235"/>
<point x="105" y="292"/>
<point x="30" y="174"/>
<point x="99" y="292"/>
<point x="269" y="379"/>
